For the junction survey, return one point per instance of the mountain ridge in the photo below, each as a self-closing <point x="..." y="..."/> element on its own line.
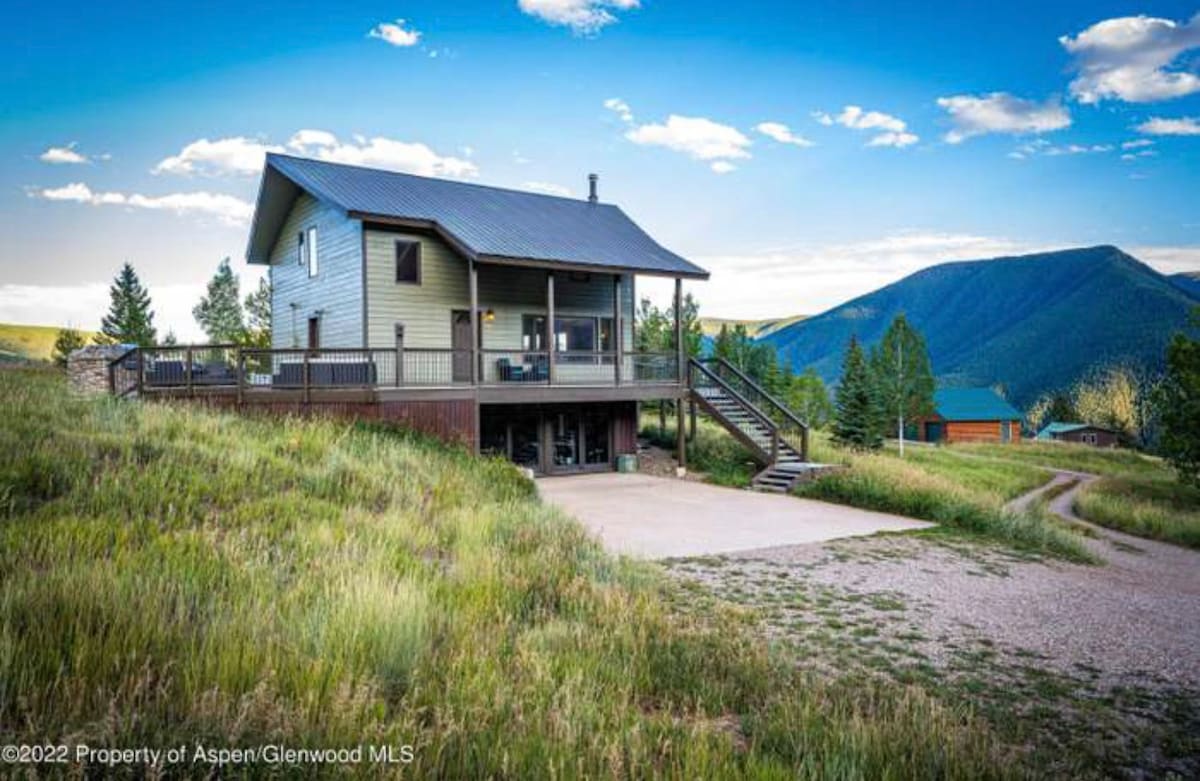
<point x="1031" y="323"/>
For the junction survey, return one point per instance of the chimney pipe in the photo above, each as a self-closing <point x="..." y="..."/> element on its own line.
<point x="592" y="197"/>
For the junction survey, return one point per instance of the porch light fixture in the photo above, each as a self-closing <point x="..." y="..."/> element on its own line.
<point x="489" y="316"/>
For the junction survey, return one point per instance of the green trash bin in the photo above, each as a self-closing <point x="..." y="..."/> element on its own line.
<point x="627" y="463"/>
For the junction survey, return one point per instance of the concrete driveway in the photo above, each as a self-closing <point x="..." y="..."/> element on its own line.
<point x="658" y="517"/>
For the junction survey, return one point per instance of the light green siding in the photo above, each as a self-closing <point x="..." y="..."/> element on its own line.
<point x="425" y="309"/>
<point x="334" y="295"/>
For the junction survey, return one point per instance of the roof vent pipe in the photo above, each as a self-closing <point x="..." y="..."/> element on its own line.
<point x="592" y="179"/>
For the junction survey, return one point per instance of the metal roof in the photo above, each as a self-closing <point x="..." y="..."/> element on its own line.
<point x="1056" y="427"/>
<point x="487" y="223"/>
<point x="973" y="404"/>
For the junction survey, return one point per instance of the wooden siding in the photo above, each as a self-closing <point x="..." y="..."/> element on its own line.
<point x="979" y="431"/>
<point x="335" y="294"/>
<point x="510" y="292"/>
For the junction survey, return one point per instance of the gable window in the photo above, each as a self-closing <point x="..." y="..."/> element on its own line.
<point x="408" y="262"/>
<point x="301" y="251"/>
<point x="310" y="245"/>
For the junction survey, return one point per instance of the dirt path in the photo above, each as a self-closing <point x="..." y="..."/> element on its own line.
<point x="1100" y="661"/>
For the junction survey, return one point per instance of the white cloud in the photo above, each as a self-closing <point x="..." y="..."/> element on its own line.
<point x="584" y="17"/>
<point x="1161" y="126"/>
<point x="60" y="155"/>
<point x="1137" y="143"/>
<point x="1130" y="58"/>
<point x="620" y="108"/>
<point x="226" y="208"/>
<point x="234" y="155"/>
<point x="722" y="167"/>
<point x="379" y="152"/>
<point x="1042" y="147"/>
<point x="548" y="188"/>
<point x="697" y="137"/>
<point x="781" y="133"/>
<point x="395" y="33"/>
<point x="239" y="155"/>
<point x="1168" y="259"/>
<point x="889" y="130"/>
<point x="810" y="278"/>
<point x="999" y="112"/>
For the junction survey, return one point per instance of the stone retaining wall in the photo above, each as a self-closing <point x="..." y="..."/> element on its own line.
<point x="87" y="367"/>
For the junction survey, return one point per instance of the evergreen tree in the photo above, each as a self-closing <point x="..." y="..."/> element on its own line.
<point x="258" y="315"/>
<point x="68" y="341"/>
<point x="220" y="312"/>
<point x="652" y="329"/>
<point x="170" y="340"/>
<point x="858" y="415"/>
<point x="900" y="364"/>
<point x="129" y="319"/>
<point x="1178" y="405"/>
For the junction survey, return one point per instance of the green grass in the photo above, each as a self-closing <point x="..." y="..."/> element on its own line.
<point x="1137" y="493"/>
<point x="1159" y="509"/>
<point x="171" y="575"/>
<point x="723" y="459"/>
<point x="30" y="342"/>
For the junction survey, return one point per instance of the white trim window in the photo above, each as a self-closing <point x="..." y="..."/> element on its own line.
<point x="310" y="245"/>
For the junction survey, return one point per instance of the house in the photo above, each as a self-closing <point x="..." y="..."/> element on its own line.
<point x="1082" y="433"/>
<point x="497" y="317"/>
<point x="970" y="415"/>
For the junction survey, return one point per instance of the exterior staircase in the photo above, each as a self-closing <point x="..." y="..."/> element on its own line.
<point x="773" y="433"/>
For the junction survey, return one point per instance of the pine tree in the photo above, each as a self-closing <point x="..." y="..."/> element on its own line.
<point x="258" y="315"/>
<point x="68" y="341"/>
<point x="1178" y="400"/>
<point x="858" y="415"/>
<point x="129" y="319"/>
<point x="220" y="312"/>
<point x="900" y="364"/>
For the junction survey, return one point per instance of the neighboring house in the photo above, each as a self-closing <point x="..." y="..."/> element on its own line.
<point x="1082" y="433"/>
<point x="498" y="317"/>
<point x="970" y="415"/>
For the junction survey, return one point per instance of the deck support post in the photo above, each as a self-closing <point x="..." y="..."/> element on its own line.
<point x="187" y="369"/>
<point x="307" y="378"/>
<point x="550" y="327"/>
<point x="692" y="420"/>
<point x="241" y="376"/>
<point x="680" y="376"/>
<point x="618" y="330"/>
<point x="474" y="285"/>
<point x="141" y="371"/>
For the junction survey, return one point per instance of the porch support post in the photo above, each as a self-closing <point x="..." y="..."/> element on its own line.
<point x="619" y="330"/>
<point x="680" y="430"/>
<point x="474" y="286"/>
<point x="550" y="326"/>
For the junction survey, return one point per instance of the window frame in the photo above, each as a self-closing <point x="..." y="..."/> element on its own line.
<point x="404" y="245"/>
<point x="312" y="256"/>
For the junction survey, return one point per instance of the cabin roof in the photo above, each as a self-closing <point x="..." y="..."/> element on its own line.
<point x="973" y="404"/>
<point x="485" y="223"/>
<point x="1057" y="427"/>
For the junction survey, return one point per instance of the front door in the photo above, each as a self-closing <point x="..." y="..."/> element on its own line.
<point x="460" y="342"/>
<point x="580" y="439"/>
<point x="933" y="431"/>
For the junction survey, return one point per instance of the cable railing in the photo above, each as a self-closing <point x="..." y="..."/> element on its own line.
<point x="194" y="368"/>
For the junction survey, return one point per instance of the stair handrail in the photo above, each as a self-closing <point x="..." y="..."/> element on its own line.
<point x="112" y="373"/>
<point x="763" y="417"/>
<point x="774" y="402"/>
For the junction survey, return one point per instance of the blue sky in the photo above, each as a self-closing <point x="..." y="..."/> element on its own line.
<point x="805" y="153"/>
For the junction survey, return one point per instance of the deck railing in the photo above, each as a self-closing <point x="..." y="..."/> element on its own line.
<point x="193" y="368"/>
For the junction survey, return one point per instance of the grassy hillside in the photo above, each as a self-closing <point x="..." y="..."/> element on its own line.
<point x="30" y="342"/>
<point x="1032" y="323"/>
<point x="170" y="575"/>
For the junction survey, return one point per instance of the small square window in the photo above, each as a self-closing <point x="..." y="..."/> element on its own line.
<point x="408" y="262"/>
